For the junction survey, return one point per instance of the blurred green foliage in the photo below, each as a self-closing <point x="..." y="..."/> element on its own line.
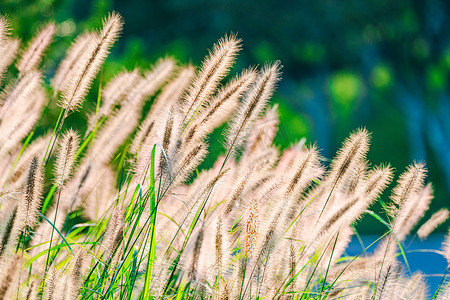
<point x="380" y="64"/>
<point x="345" y="89"/>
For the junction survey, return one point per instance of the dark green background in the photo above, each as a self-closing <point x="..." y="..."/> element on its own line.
<point x="379" y="64"/>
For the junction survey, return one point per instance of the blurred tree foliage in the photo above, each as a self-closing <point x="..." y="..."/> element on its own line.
<point x="376" y="63"/>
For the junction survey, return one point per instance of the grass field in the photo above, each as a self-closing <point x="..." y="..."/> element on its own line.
<point x="121" y="210"/>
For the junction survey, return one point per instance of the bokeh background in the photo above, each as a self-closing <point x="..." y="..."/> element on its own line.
<point x="380" y="64"/>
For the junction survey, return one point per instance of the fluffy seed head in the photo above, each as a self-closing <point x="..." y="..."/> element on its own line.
<point x="67" y="149"/>
<point x="10" y="269"/>
<point x="90" y="62"/>
<point x="307" y="170"/>
<point x="446" y="247"/>
<point x="51" y="282"/>
<point x="118" y="127"/>
<point x="117" y="89"/>
<point x="19" y="94"/>
<point x="69" y="63"/>
<point x="409" y="183"/>
<point x="353" y="208"/>
<point x="3" y="28"/>
<point x="215" y="67"/>
<point x="411" y="211"/>
<point x="8" y="50"/>
<point x="264" y="132"/>
<point x="7" y="230"/>
<point x="435" y="220"/>
<point x="255" y="101"/>
<point x="74" y="280"/>
<point x="33" y="55"/>
<point x="220" y="108"/>
<point x="31" y="202"/>
<point x="353" y="151"/>
<point x="113" y="233"/>
<point x="151" y="82"/>
<point x="387" y="284"/>
<point x="377" y="180"/>
<point x="21" y="115"/>
<point x="251" y="228"/>
<point x="189" y="161"/>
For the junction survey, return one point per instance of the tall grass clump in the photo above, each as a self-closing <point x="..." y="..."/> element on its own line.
<point x="123" y="211"/>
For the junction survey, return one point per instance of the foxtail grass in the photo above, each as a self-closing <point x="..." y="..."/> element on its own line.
<point x="129" y="212"/>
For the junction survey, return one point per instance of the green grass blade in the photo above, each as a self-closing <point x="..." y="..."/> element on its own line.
<point x="56" y="229"/>
<point x="151" y="256"/>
